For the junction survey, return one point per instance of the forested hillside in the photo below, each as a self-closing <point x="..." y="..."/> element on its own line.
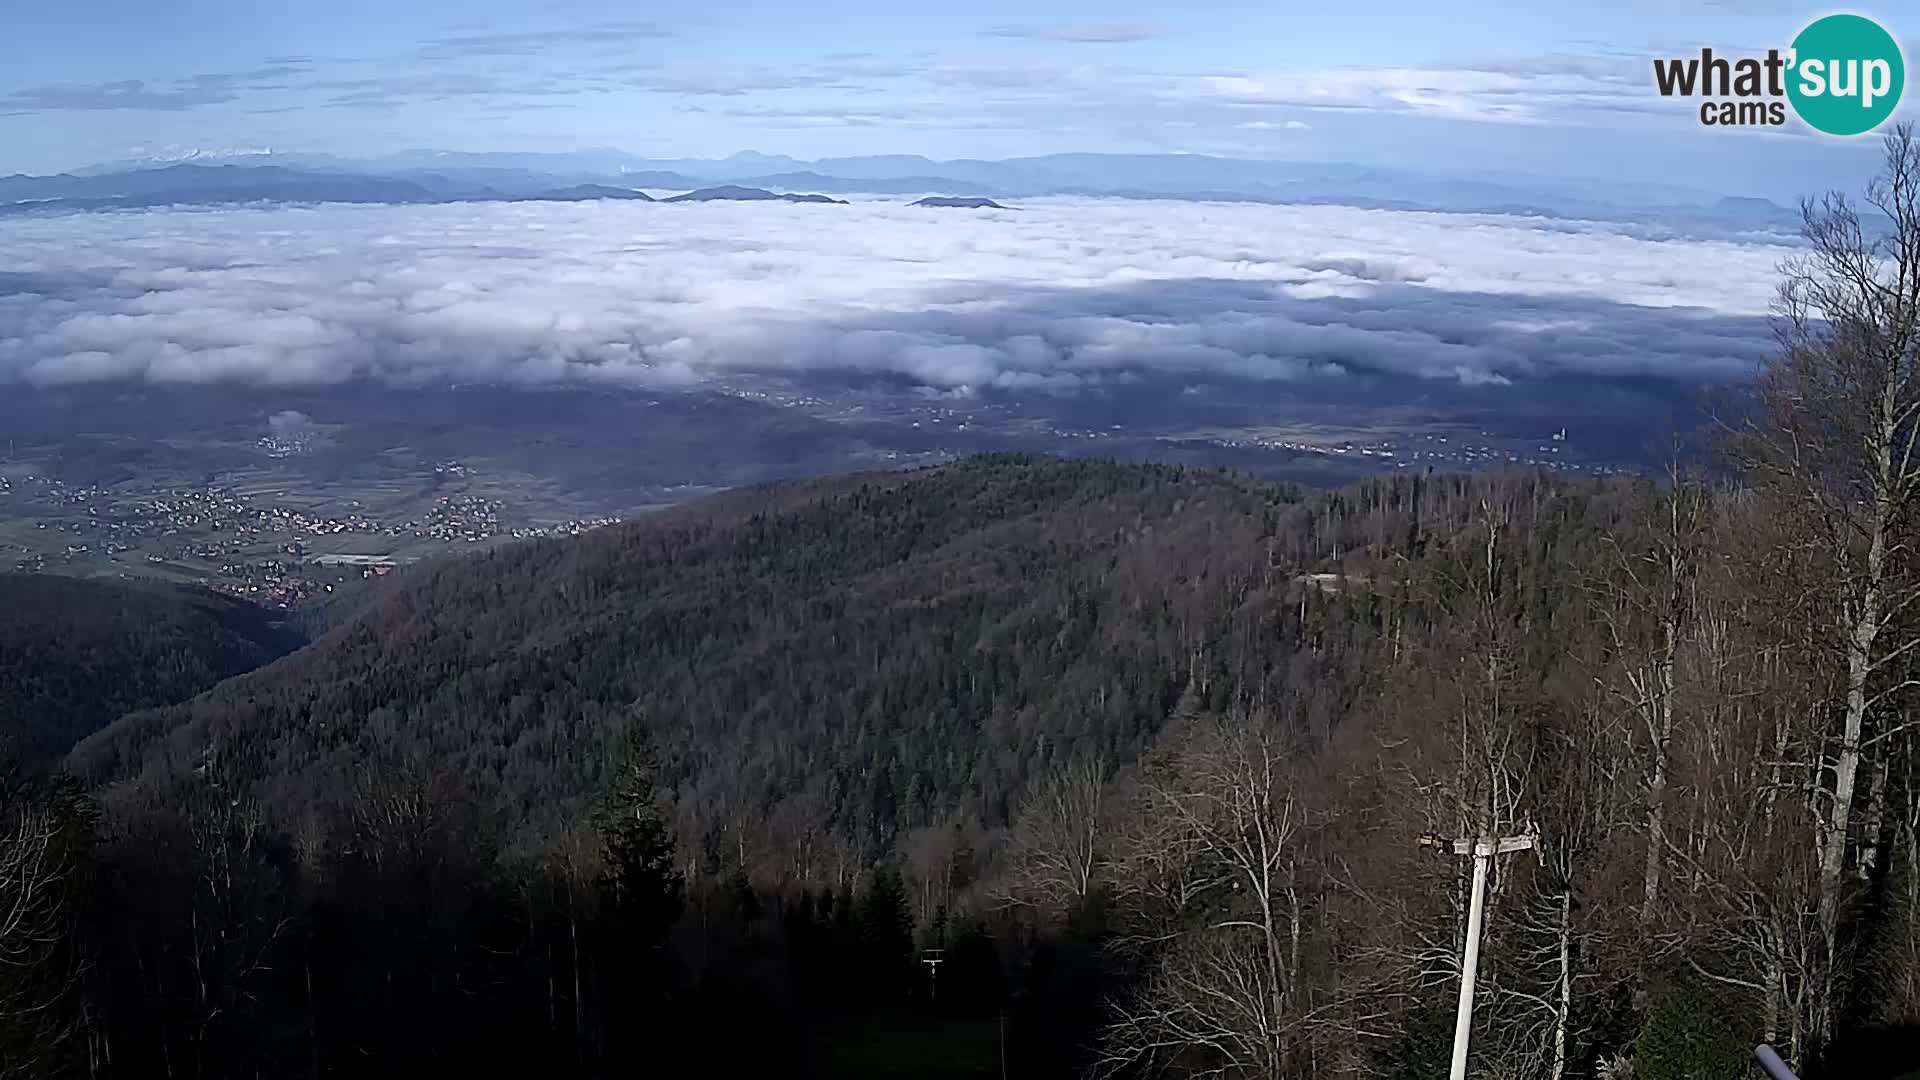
<point x="1043" y="707"/>
<point x="75" y="654"/>
<point x="831" y="665"/>
<point x="855" y="692"/>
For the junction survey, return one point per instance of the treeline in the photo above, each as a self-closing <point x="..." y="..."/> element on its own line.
<point x="185" y="937"/>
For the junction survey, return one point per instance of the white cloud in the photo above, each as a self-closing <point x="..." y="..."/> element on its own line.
<point x="1494" y="89"/>
<point x="1058" y="294"/>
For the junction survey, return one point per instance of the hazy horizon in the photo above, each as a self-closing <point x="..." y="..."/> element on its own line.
<point x="1488" y="87"/>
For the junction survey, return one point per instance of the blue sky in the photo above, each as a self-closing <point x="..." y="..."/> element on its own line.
<point x="1543" y="88"/>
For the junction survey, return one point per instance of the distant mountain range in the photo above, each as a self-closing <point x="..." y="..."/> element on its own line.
<point x="441" y="177"/>
<point x="203" y="185"/>
<point x="212" y="185"/>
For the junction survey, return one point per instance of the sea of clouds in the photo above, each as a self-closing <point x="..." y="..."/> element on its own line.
<point x="1059" y="294"/>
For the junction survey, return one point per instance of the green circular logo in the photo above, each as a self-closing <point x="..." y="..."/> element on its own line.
<point x="1846" y="74"/>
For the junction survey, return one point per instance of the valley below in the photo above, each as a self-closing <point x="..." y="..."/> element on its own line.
<point x="284" y="496"/>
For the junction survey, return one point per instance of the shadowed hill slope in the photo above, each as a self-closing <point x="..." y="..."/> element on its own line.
<point x="76" y="653"/>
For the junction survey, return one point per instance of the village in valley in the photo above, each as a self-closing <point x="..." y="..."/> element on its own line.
<point x="264" y="545"/>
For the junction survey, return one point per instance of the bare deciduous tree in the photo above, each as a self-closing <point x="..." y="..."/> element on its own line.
<point x="1835" y="447"/>
<point x="1647" y="602"/>
<point x="1060" y="849"/>
<point x="931" y="857"/>
<point x="1225" y="993"/>
<point x="37" y="854"/>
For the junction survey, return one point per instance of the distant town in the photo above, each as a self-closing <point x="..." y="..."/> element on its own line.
<point x="1443" y="450"/>
<point x="243" y="544"/>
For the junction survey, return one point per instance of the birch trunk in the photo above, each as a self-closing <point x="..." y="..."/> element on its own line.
<point x="1564" y="1014"/>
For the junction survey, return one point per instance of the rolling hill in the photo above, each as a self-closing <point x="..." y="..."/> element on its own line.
<point x="737" y="193"/>
<point x="590" y="192"/>
<point x="958" y="202"/>
<point x="862" y="652"/>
